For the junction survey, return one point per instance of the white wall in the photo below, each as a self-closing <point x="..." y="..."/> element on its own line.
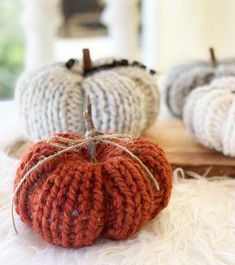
<point x="173" y="30"/>
<point x="189" y="27"/>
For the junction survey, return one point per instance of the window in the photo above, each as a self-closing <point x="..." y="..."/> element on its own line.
<point x="11" y="47"/>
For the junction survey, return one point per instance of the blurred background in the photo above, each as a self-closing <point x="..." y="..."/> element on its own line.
<point x="158" y="32"/>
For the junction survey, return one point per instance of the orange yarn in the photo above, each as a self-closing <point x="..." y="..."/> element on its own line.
<point x="71" y="201"/>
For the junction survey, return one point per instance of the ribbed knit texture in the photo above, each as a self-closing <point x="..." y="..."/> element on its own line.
<point x="71" y="201"/>
<point x="183" y="78"/>
<point x="209" y="115"/>
<point x="125" y="99"/>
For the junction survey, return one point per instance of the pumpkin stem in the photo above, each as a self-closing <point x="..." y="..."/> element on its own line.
<point x="91" y="131"/>
<point x="88" y="116"/>
<point x="213" y="57"/>
<point x="87" y="63"/>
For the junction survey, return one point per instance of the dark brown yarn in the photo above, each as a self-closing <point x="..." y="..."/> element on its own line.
<point x="90" y="69"/>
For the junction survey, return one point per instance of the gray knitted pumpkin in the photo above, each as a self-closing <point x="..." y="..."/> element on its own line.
<point x="124" y="96"/>
<point x="183" y="78"/>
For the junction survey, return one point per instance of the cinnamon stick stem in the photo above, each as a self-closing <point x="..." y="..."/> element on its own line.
<point x="87" y="63"/>
<point x="213" y="57"/>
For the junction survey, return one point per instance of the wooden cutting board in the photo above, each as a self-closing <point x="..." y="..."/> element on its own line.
<point x="181" y="149"/>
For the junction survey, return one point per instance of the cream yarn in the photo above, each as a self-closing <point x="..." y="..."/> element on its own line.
<point x="209" y="115"/>
<point x="124" y="96"/>
<point x="183" y="78"/>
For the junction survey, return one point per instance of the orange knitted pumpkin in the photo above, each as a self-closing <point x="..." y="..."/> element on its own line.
<point x="71" y="200"/>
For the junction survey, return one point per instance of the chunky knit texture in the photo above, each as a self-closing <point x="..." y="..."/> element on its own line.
<point x="125" y="98"/>
<point x="209" y="115"/>
<point x="71" y="201"/>
<point x="183" y="78"/>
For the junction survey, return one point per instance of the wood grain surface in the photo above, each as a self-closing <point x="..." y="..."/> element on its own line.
<point x="181" y="149"/>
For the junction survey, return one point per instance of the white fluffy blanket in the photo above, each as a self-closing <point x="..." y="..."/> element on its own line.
<point x="198" y="227"/>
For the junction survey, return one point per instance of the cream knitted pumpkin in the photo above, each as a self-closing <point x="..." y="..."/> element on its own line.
<point x="209" y="115"/>
<point x="183" y="78"/>
<point x="124" y="95"/>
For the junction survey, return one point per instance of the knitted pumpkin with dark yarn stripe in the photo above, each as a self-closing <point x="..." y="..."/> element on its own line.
<point x="71" y="201"/>
<point x="124" y="94"/>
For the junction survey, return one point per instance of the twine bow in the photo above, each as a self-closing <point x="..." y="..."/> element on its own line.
<point x="92" y="137"/>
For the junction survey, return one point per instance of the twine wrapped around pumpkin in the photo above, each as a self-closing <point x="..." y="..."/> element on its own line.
<point x="73" y="190"/>
<point x="124" y="94"/>
<point x="183" y="78"/>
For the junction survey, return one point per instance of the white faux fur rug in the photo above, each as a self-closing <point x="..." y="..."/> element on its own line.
<point x="198" y="227"/>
